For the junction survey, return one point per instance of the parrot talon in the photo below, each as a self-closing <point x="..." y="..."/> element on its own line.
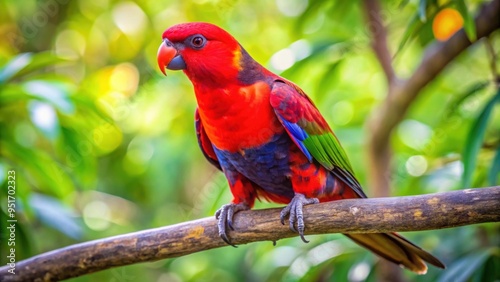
<point x="224" y="217"/>
<point x="296" y="215"/>
<point x="284" y="212"/>
<point x="226" y="239"/>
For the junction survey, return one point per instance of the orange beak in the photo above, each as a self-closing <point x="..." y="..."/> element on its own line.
<point x="168" y="57"/>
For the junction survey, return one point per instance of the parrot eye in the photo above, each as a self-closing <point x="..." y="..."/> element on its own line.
<point x="198" y="41"/>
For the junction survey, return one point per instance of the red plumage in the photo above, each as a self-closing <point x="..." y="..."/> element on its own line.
<point x="267" y="136"/>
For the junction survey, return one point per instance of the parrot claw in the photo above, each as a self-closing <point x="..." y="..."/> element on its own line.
<point x="294" y="210"/>
<point x="225" y="215"/>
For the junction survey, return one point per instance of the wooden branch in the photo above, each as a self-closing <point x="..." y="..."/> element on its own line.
<point x="426" y="212"/>
<point x="379" y="38"/>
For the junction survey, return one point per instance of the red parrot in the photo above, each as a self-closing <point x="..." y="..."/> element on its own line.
<point x="268" y="138"/>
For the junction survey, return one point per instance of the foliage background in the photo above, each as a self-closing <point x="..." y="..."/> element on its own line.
<point x="103" y="144"/>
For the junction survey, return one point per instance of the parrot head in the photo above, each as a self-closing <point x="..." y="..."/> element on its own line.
<point x="202" y="50"/>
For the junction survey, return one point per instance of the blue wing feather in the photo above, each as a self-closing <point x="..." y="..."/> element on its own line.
<point x="298" y="135"/>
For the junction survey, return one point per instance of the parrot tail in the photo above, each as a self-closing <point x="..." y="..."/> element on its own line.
<point x="397" y="249"/>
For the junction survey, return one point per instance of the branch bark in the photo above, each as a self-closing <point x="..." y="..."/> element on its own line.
<point x="379" y="38"/>
<point x="413" y="213"/>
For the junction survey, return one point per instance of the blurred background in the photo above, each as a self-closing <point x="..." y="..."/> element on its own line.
<point x="102" y="144"/>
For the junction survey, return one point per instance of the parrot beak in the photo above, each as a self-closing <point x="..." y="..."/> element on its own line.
<point x="169" y="58"/>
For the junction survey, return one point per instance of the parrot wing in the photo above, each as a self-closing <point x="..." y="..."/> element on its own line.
<point x="310" y="132"/>
<point x="205" y="143"/>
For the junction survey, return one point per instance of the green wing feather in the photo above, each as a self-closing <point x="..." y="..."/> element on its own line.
<point x="310" y="132"/>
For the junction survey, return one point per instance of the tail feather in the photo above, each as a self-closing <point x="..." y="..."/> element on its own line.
<point x="397" y="249"/>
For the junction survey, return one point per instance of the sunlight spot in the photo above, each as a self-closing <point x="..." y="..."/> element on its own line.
<point x="129" y="18"/>
<point x="313" y="24"/>
<point x="97" y="215"/>
<point x="125" y="79"/>
<point x="359" y="272"/>
<point x="414" y="134"/>
<point x="139" y="151"/>
<point x="446" y="177"/>
<point x="342" y="113"/>
<point x="283" y="59"/>
<point x="283" y="256"/>
<point x="292" y="8"/>
<point x="324" y="252"/>
<point x="416" y="165"/>
<point x="301" y="49"/>
<point x="70" y="44"/>
<point x="107" y="137"/>
<point x="44" y="117"/>
<point x="299" y="267"/>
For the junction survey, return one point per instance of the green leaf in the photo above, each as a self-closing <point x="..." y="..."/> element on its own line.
<point x="54" y="92"/>
<point x="462" y="269"/>
<point x="41" y="167"/>
<point x="422" y="10"/>
<point x="44" y="117"/>
<point x="38" y="62"/>
<point x="78" y="152"/>
<point x="425" y="34"/>
<point x="473" y="89"/>
<point x="14" y="66"/>
<point x="310" y="12"/>
<point x="12" y="93"/>
<point x="475" y="140"/>
<point x="87" y="104"/>
<point x="340" y="9"/>
<point x="53" y="213"/>
<point x="491" y="271"/>
<point x="469" y="24"/>
<point x="23" y="245"/>
<point x="403" y="4"/>
<point x="318" y="51"/>
<point x="411" y="30"/>
<point x="495" y="169"/>
<point x="27" y="63"/>
<point x="330" y="74"/>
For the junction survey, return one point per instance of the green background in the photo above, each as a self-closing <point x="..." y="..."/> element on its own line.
<point x="102" y="144"/>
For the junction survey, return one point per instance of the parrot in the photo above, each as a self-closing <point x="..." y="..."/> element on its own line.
<point x="268" y="138"/>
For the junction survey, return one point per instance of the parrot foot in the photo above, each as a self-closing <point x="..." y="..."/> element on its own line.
<point x="225" y="215"/>
<point x="294" y="209"/>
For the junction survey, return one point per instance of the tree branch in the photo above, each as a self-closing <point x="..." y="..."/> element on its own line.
<point x="426" y="212"/>
<point x="436" y="58"/>
<point x="379" y="38"/>
<point x="401" y="93"/>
